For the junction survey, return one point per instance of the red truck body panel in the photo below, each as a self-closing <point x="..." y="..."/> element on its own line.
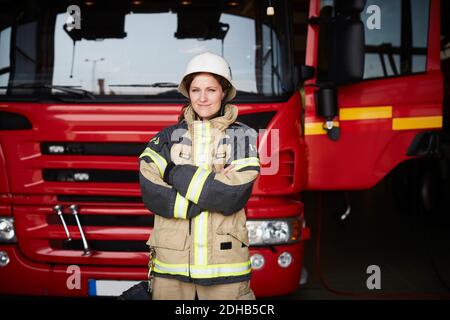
<point x="378" y="119"/>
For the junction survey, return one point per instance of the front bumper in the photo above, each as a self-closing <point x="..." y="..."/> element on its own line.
<point x="24" y="277"/>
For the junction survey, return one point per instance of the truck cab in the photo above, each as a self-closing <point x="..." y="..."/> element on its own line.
<point x="84" y="85"/>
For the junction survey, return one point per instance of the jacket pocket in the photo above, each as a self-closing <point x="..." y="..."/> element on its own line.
<point x="168" y="238"/>
<point x="239" y="234"/>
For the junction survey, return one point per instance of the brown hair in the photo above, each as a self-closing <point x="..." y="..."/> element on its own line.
<point x="224" y="83"/>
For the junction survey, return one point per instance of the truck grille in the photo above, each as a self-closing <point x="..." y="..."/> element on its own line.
<point x="86" y="155"/>
<point x="97" y="246"/>
<point x="83" y="175"/>
<point x="97" y="199"/>
<point x="116" y="233"/>
<point x="103" y="220"/>
<point x="92" y="148"/>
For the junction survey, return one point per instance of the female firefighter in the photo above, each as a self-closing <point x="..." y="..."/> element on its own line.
<point x="196" y="177"/>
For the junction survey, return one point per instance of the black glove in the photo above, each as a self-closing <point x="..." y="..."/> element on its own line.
<point x="166" y="175"/>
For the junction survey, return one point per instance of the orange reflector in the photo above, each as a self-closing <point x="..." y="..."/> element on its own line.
<point x="296" y="229"/>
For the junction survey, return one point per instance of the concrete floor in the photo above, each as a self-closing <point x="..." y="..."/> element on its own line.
<point x="411" y="248"/>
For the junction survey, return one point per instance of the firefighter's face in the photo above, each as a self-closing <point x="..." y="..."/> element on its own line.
<point x="206" y="95"/>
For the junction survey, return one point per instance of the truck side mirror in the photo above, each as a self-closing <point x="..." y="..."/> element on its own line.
<point x="346" y="63"/>
<point x="349" y="6"/>
<point x="341" y="42"/>
<point x="327" y="107"/>
<point x="347" y="42"/>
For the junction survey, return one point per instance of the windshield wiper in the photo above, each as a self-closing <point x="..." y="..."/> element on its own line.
<point x="152" y="85"/>
<point x="66" y="89"/>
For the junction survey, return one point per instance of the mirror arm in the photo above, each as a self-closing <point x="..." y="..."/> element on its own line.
<point x="333" y="132"/>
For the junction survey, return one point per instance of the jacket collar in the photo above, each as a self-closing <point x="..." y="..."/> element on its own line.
<point x="220" y="123"/>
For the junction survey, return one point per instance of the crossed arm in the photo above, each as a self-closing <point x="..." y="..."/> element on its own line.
<point x="184" y="191"/>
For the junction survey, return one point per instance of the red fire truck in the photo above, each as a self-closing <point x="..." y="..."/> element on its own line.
<point x="341" y="92"/>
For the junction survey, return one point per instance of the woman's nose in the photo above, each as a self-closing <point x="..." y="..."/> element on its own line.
<point x="203" y="96"/>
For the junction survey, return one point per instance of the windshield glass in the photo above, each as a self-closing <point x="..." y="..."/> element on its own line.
<point x="142" y="50"/>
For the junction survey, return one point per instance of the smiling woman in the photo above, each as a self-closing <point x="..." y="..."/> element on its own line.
<point x="196" y="177"/>
<point x="207" y="91"/>
<point x="206" y="94"/>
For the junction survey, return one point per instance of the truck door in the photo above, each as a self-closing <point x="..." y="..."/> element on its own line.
<point x="392" y="111"/>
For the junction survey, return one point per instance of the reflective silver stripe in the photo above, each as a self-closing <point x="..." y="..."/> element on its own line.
<point x="181" y="269"/>
<point x="160" y="162"/>
<point x="200" y="240"/>
<point x="245" y="162"/>
<point x="220" y="270"/>
<point x="205" y="271"/>
<point x="196" y="185"/>
<point x="202" y="140"/>
<point x="198" y="143"/>
<point x="206" y="143"/>
<point x="181" y="207"/>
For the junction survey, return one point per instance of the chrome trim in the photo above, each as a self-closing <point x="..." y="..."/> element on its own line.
<point x="58" y="210"/>
<point x="86" y="249"/>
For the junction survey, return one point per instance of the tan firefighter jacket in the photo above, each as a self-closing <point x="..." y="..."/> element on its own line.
<point x="200" y="232"/>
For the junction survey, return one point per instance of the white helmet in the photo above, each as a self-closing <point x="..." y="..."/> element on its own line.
<point x="208" y="62"/>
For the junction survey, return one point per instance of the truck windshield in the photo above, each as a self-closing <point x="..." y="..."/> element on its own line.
<point x="139" y="49"/>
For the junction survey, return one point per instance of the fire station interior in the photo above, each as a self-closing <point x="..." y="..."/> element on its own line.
<point x="401" y="225"/>
<point x="400" y="228"/>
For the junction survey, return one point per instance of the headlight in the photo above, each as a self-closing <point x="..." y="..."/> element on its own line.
<point x="280" y="231"/>
<point x="7" y="232"/>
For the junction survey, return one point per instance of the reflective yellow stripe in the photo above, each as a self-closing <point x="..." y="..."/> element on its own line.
<point x="382" y="112"/>
<point x="220" y="270"/>
<point x="314" y="128"/>
<point x="245" y="162"/>
<point x="201" y="183"/>
<point x="196" y="185"/>
<point x="171" y="268"/>
<point x="365" y="113"/>
<point x="404" y="123"/>
<point x="416" y="123"/>
<point x="181" y="207"/>
<point x="160" y="162"/>
<point x="203" y="271"/>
